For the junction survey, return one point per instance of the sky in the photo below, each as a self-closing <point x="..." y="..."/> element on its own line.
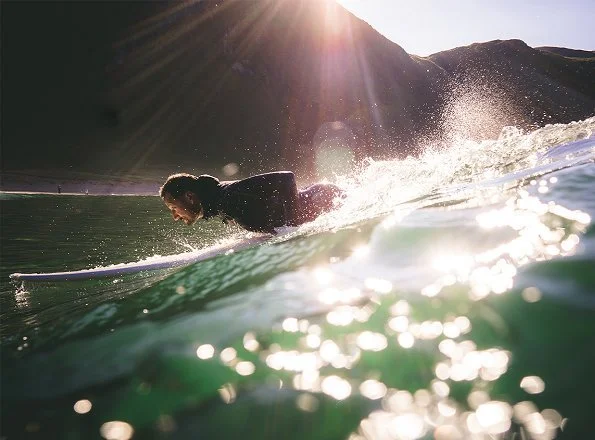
<point x="424" y="27"/>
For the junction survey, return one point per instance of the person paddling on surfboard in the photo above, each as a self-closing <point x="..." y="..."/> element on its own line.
<point x="259" y="203"/>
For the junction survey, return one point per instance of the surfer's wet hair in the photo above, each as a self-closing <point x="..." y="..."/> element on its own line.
<point x="178" y="184"/>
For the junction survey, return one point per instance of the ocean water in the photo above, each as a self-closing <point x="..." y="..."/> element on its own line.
<point x="451" y="296"/>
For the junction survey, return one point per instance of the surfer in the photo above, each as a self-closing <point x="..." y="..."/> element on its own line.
<point x="259" y="203"/>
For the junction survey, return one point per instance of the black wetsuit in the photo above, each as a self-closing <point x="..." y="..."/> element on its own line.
<point x="266" y="201"/>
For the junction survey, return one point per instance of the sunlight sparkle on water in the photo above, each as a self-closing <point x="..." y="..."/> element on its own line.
<point x="329" y="350"/>
<point x="463" y="323"/>
<point x="378" y="285"/>
<point x="341" y="316"/>
<point x="308" y="380"/>
<point x="336" y="387"/>
<point x="290" y="325"/>
<point x="307" y="402"/>
<point x="372" y="341"/>
<point x="293" y="361"/>
<point x="406" y="340"/>
<point x="552" y="418"/>
<point x="361" y="252"/>
<point x="227" y="393"/>
<point x="245" y="368"/>
<point x="476" y="398"/>
<point x="532" y="231"/>
<point x="166" y="423"/>
<point x="453" y="263"/>
<point x="399" y="323"/>
<point x="535" y="424"/>
<point x="570" y="243"/>
<point x="228" y="355"/>
<point x="447" y="408"/>
<point x="431" y="290"/>
<point x="21" y="295"/>
<point x="313" y="341"/>
<point x="531" y="294"/>
<point x="494" y="417"/>
<point x="323" y="275"/>
<point x="428" y="330"/>
<point x="527" y="215"/>
<point x="467" y="364"/>
<point x="401" y="307"/>
<point x="275" y="361"/>
<point x="538" y="237"/>
<point x="448" y="347"/>
<point x="408" y="426"/>
<point x="250" y="342"/>
<point x="205" y="351"/>
<point x="440" y="388"/>
<point x="83" y="406"/>
<point x="451" y="330"/>
<point x="333" y="296"/>
<point x="422" y="398"/>
<point x="532" y="384"/>
<point x="447" y="432"/>
<point x="373" y="389"/>
<point x="116" y="430"/>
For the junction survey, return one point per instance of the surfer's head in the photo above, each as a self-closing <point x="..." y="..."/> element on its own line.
<point x="179" y="195"/>
<point x="187" y="208"/>
<point x="189" y="197"/>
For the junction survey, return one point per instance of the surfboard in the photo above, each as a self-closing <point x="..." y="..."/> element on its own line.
<point x="149" y="264"/>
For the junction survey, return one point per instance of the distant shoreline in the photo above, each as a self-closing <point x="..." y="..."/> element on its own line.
<point x="83" y="189"/>
<point x="45" y="193"/>
<point x="35" y="183"/>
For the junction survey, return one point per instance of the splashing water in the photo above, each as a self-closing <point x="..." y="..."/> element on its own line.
<point x="379" y="187"/>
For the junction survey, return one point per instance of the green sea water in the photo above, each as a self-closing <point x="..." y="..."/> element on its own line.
<point x="451" y="296"/>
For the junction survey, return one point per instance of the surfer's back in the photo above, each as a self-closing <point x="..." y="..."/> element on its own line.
<point x="263" y="202"/>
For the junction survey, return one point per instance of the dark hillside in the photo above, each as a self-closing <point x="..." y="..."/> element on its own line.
<point x="570" y="53"/>
<point x="525" y="86"/>
<point x="119" y="88"/>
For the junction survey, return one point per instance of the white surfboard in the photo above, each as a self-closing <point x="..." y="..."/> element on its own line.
<point x="152" y="263"/>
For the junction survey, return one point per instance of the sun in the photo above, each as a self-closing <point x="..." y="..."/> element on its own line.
<point x="334" y="20"/>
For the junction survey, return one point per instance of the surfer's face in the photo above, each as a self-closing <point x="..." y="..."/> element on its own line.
<point x="186" y="208"/>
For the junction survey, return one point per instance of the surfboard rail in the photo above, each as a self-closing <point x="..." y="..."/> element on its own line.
<point x="149" y="264"/>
